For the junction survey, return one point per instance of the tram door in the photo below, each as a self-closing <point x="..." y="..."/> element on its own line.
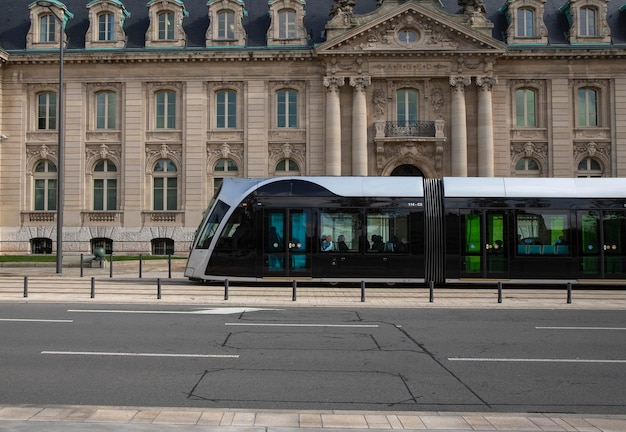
<point x="602" y="244"/>
<point x="483" y="251"/>
<point x="286" y="243"/>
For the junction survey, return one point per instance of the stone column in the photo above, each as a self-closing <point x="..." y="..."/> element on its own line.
<point x="486" y="152"/>
<point x="333" y="125"/>
<point x="359" y="125"/>
<point x="458" y="124"/>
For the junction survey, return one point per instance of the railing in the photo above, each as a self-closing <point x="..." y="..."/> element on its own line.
<point x="410" y="128"/>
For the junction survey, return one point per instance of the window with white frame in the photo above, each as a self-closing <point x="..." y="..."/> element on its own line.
<point x="165" y="109"/>
<point x="587" y="21"/>
<point x="226" y="25"/>
<point x="589" y="167"/>
<point x="226" y="109"/>
<point x="165" y="25"/>
<point x="587" y="107"/>
<point x="45" y="186"/>
<point x="47" y="111"/>
<point x="525" y="22"/>
<point x="165" y="185"/>
<point x="525" y="107"/>
<point x="105" y="186"/>
<point x="287" y="24"/>
<point x="287" y="108"/>
<point x="47" y="28"/>
<point x="106" y="27"/>
<point x="406" y="107"/>
<point x="106" y="110"/>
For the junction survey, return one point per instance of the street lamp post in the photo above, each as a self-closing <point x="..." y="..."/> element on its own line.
<point x="61" y="144"/>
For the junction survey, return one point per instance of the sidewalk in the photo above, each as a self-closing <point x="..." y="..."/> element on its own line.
<point x="44" y="285"/>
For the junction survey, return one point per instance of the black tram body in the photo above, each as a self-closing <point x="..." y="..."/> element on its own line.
<point x="409" y="229"/>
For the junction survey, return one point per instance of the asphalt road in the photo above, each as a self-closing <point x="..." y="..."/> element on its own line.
<point x="314" y="358"/>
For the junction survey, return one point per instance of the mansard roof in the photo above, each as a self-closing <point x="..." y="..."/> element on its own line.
<point x="15" y="21"/>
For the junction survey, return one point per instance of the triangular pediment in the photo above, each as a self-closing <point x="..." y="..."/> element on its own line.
<point x="414" y="26"/>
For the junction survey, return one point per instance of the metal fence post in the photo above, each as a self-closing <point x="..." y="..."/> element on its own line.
<point x="169" y="266"/>
<point x="569" y="292"/>
<point x="225" y="289"/>
<point x="432" y="291"/>
<point x="159" y="288"/>
<point x="25" y="286"/>
<point x="111" y="264"/>
<point x="294" y="286"/>
<point x="499" y="292"/>
<point x="140" y="264"/>
<point x="93" y="287"/>
<point x="81" y="265"/>
<point x="362" y="291"/>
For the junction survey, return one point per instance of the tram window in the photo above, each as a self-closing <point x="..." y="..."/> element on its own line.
<point x="542" y="233"/>
<point x="216" y="216"/>
<point x="343" y="227"/>
<point x="387" y="231"/>
<point x="237" y="232"/>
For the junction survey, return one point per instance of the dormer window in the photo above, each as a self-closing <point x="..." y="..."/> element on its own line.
<point x="587" y="20"/>
<point x="48" y="20"/>
<point x="525" y="18"/>
<point x="287" y="23"/>
<point x="106" y="24"/>
<point x="166" y="24"/>
<point x="226" y="23"/>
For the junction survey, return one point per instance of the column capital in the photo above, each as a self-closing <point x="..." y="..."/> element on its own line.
<point x="333" y="82"/>
<point x="486" y="83"/>
<point x="360" y="82"/>
<point x="459" y="83"/>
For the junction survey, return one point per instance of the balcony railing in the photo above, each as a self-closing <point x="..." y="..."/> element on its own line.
<point x="410" y="129"/>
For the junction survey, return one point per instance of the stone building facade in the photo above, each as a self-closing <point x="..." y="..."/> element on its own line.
<point x="163" y="99"/>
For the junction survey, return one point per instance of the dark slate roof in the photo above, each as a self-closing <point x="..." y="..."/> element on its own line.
<point x="15" y="23"/>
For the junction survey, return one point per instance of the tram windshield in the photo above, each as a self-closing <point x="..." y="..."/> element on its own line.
<point x="210" y="227"/>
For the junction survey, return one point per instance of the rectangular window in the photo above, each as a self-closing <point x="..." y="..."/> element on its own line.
<point x="287" y="109"/>
<point x="525" y="104"/>
<point x="226" y="109"/>
<point x="387" y="230"/>
<point x="104" y="192"/>
<point x="47" y="111"/>
<point x="172" y="187"/>
<point x="106" y="110"/>
<point x="226" y="25"/>
<point x="105" y="27"/>
<point x="166" y="26"/>
<point x="287" y="24"/>
<point x="47" y="29"/>
<point x="525" y="26"/>
<point x="406" y="106"/>
<point x="98" y="194"/>
<point x="542" y="233"/>
<point x="340" y="231"/>
<point x="165" y="110"/>
<point x="587" y="107"/>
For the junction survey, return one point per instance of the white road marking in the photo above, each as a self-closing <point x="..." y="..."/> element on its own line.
<point x="133" y="354"/>
<point x="580" y="328"/>
<point x="304" y="325"/>
<point x="531" y="360"/>
<point x="214" y="311"/>
<point x="36" y="320"/>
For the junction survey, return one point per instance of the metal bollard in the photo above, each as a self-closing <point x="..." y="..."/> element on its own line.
<point x="81" y="265"/>
<point x="225" y="289"/>
<point x="499" y="292"/>
<point x="569" y="292"/>
<point x="159" y="288"/>
<point x="25" y="286"/>
<point x="140" y="264"/>
<point x="432" y="291"/>
<point x="362" y="291"/>
<point x="169" y="266"/>
<point x="294" y="286"/>
<point x="93" y="287"/>
<point x="111" y="265"/>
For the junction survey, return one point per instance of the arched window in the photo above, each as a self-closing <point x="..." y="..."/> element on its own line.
<point x="165" y="26"/>
<point x="105" y="186"/>
<point x="587" y="107"/>
<point x="525" y="107"/>
<point x="223" y="168"/>
<point x="527" y="167"/>
<point x="287" y="109"/>
<point x="287" y="167"/>
<point x="162" y="246"/>
<point x="287" y="24"/>
<point x="45" y="193"/>
<point x="406" y="107"/>
<point x="589" y="167"/>
<point x="41" y="245"/>
<point x="106" y="110"/>
<point x="226" y="109"/>
<point x="165" y="101"/>
<point x="47" y="28"/>
<point x="106" y="27"/>
<point x="47" y="111"/>
<point x="587" y="21"/>
<point x="226" y="25"/>
<point x="525" y="22"/>
<point x="165" y="185"/>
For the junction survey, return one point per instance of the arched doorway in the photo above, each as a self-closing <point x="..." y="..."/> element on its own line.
<point x="407" y="171"/>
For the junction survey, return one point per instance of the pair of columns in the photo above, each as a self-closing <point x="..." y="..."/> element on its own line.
<point x="458" y="136"/>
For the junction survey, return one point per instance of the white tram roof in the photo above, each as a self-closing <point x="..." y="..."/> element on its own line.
<point x="236" y="188"/>
<point x="515" y="187"/>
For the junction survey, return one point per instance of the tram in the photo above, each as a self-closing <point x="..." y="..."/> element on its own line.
<point x="413" y="230"/>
